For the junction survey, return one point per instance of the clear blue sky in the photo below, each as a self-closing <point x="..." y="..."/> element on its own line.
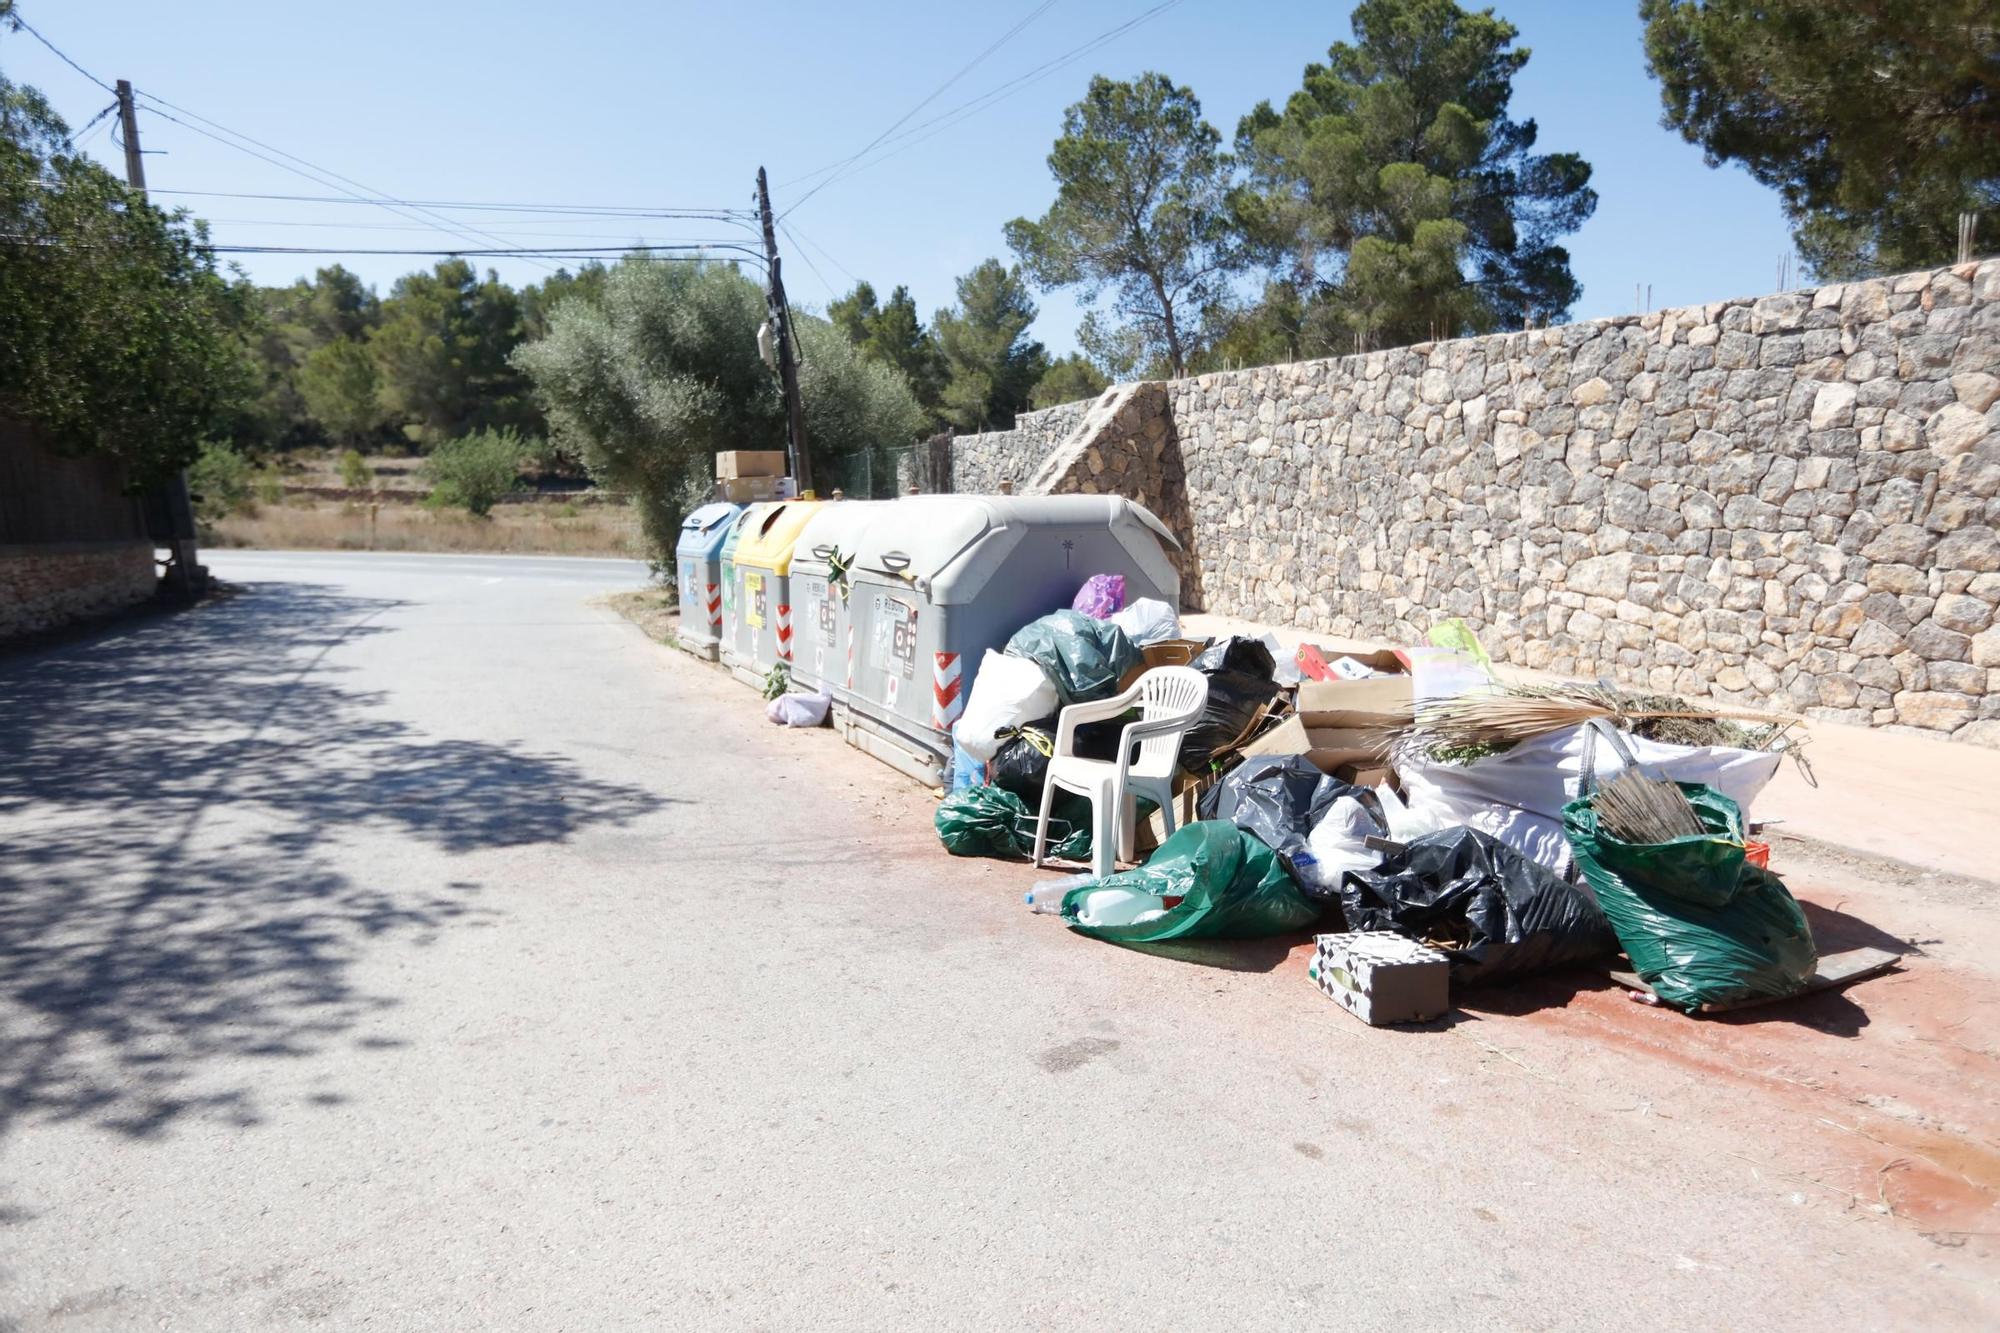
<point x="675" y="104"/>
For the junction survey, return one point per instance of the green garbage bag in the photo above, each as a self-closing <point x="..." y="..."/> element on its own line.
<point x="991" y="821"/>
<point x="1083" y="657"/>
<point x="1701" y="925"/>
<point x="1212" y="880"/>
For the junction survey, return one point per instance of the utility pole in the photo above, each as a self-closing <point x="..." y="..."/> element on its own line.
<point x="781" y="327"/>
<point x="185" y="574"/>
<point x="128" y="121"/>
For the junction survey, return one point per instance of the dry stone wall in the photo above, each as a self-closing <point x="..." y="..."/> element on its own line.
<point x="1787" y="501"/>
<point x="41" y="588"/>
<point x="980" y="463"/>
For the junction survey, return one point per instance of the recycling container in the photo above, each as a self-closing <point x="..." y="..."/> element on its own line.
<point x="732" y="610"/>
<point x="698" y="565"/>
<point x="821" y="605"/>
<point x="940" y="579"/>
<point x="763" y="574"/>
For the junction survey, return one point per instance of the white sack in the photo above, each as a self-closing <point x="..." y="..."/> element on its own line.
<point x="1338" y="843"/>
<point x="799" y="710"/>
<point x="1007" y="692"/>
<point x="1518" y="796"/>
<point x="1148" y="620"/>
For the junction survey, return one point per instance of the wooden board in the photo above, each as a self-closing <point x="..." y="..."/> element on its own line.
<point x="1836" y="969"/>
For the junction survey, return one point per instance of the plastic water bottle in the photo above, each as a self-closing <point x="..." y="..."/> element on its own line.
<point x="1119" y="907"/>
<point x="1047" y="896"/>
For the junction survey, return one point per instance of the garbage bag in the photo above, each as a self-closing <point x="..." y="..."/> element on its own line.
<point x="1148" y="620"/>
<point x="1006" y="692"/>
<point x="1083" y="658"/>
<point x="799" y="710"/>
<point x="1518" y="795"/>
<point x="1494" y="913"/>
<point x="989" y="821"/>
<point x="1211" y="880"/>
<point x="1021" y="765"/>
<point x="1339" y="842"/>
<point x="1102" y="596"/>
<point x="1239" y="672"/>
<point x="1280" y="797"/>
<point x="1701" y="925"/>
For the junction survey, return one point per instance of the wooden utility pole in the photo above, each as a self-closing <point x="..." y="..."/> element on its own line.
<point x="185" y="574"/>
<point x="128" y="122"/>
<point x="781" y="328"/>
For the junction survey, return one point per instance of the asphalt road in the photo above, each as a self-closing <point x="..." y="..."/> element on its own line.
<point x="405" y="942"/>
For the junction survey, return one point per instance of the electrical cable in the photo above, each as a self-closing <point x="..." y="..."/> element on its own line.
<point x="735" y="215"/>
<point x="945" y="120"/>
<point x="824" y="252"/>
<point x="831" y="294"/>
<point x="19" y="22"/>
<point x="317" y="174"/>
<point x="934" y="94"/>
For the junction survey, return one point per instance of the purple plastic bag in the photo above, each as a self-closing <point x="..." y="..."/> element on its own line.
<point x="1101" y="597"/>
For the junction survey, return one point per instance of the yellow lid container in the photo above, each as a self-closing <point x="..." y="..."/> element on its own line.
<point x="768" y="538"/>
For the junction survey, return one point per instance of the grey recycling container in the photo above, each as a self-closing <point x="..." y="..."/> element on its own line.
<point x="938" y="580"/>
<point x="763" y="576"/>
<point x="698" y="567"/>
<point x="731" y="633"/>
<point x="822" y="619"/>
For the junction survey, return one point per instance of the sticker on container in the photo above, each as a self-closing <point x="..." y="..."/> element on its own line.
<point x="826" y="614"/>
<point x="753" y="600"/>
<point x="893" y="645"/>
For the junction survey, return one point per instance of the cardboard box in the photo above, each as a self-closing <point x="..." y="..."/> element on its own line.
<point x="1166" y="652"/>
<point x="1381" y="977"/>
<point x="1152" y="831"/>
<point x="737" y="464"/>
<point x="746" y="490"/>
<point x="1341" y="724"/>
<point x="1375" y="702"/>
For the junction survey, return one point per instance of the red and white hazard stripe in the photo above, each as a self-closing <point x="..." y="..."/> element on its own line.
<point x="784" y="633"/>
<point x="850" y="655"/>
<point x="947" y="690"/>
<point x="715" y="606"/>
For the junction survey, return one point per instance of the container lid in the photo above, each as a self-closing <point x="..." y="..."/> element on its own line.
<point x="710" y="517"/>
<point x="928" y="539"/>
<point x="768" y="538"/>
<point x="837" y="527"/>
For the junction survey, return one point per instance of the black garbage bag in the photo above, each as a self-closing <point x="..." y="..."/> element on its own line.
<point x="1239" y="675"/>
<point x="1281" y="798"/>
<point x="1022" y="763"/>
<point x="1496" y="914"/>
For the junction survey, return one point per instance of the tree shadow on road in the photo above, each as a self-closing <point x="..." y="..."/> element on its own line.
<point x="170" y="801"/>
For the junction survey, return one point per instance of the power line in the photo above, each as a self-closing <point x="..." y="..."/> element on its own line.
<point x="559" y="233"/>
<point x="831" y="294"/>
<point x="964" y="111"/>
<point x="316" y="174"/>
<point x="934" y="94"/>
<point x="555" y="210"/>
<point x="19" y="22"/>
<point x="823" y="251"/>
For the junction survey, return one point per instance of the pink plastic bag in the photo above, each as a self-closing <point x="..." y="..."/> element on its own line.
<point x="1101" y="597"/>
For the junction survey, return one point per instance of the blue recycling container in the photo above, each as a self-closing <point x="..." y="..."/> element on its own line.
<point x="698" y="566"/>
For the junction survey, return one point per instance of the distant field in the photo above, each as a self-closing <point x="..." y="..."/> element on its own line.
<point x="524" y="529"/>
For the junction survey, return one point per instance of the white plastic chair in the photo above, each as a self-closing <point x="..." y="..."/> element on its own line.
<point x="1170" y="701"/>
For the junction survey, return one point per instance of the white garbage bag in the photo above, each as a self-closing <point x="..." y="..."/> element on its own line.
<point x="799" y="710"/>
<point x="1518" y="796"/>
<point x="1006" y="692"/>
<point x="1148" y="620"/>
<point x="1338" y="843"/>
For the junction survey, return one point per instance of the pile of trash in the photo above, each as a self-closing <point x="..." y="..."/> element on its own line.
<point x="1443" y="829"/>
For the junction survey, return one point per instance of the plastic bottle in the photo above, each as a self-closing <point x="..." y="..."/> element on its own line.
<point x="1047" y="896"/>
<point x="1119" y="907"/>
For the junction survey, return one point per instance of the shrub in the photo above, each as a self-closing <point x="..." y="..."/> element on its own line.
<point x="355" y="473"/>
<point x="474" y="471"/>
<point x="219" y="479"/>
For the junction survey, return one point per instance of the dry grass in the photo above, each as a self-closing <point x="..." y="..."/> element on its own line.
<point x="654" y="610"/>
<point x="539" y="529"/>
